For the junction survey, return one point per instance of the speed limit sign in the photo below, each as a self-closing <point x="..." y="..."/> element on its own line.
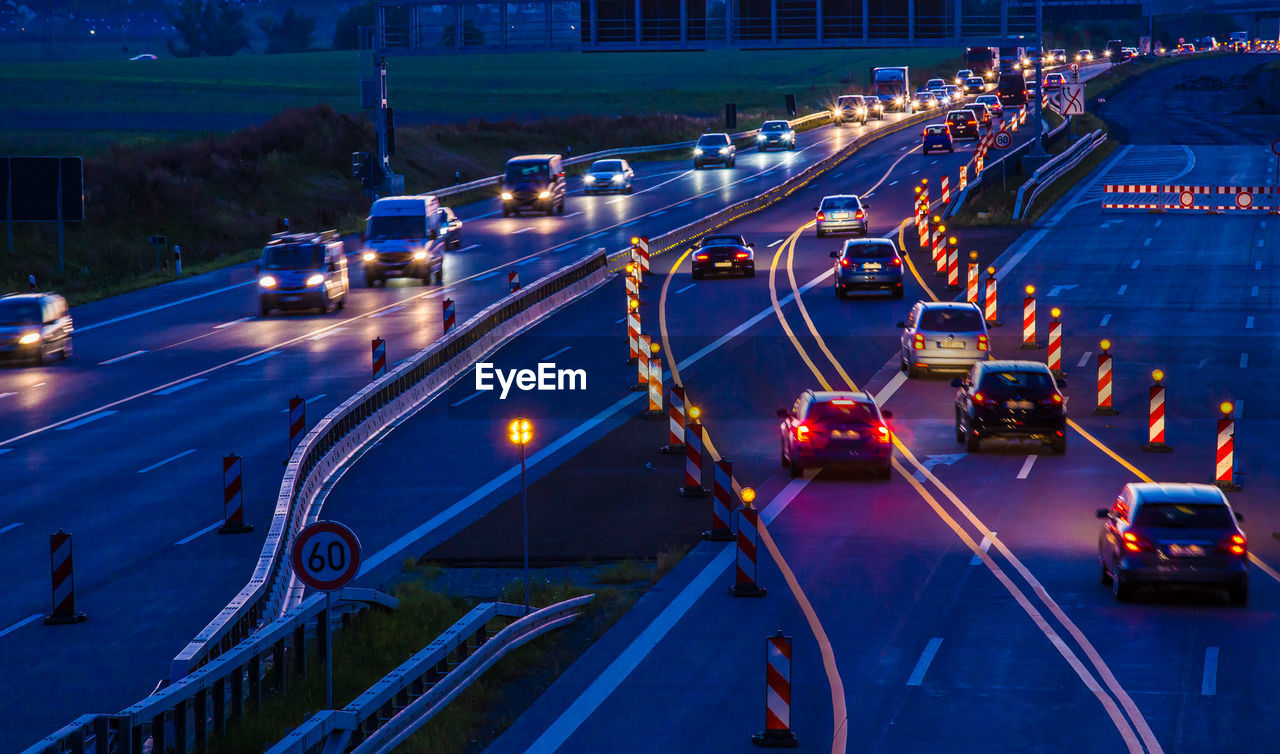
<point x="1003" y="140"/>
<point x="326" y="555"/>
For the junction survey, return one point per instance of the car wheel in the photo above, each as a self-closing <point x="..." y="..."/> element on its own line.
<point x="551" y="210"/>
<point x="629" y="189"/>
<point x="796" y="469"/>
<point x="697" y="165"/>
<point x="560" y="208"/>
<point x="972" y="443"/>
<point x="733" y="161"/>
<point x="1239" y="594"/>
<point x="39" y="357"/>
<point x="885" y="471"/>
<point x="695" y="274"/>
<point x="263" y="310"/>
<point x="959" y="428"/>
<point x="1059" y="446"/>
<point x="897" y="292"/>
<point x="751" y="272"/>
<point x="791" y="148"/>
<point x="1120" y="588"/>
<point x="840" y="293"/>
<point x="506" y="212"/>
<point x="913" y="371"/>
<point x="820" y="233"/>
<point x="1104" y="576"/>
<point x="952" y="150"/>
<point x="66" y="349"/>
<point x="440" y="273"/>
<point x="342" y="302"/>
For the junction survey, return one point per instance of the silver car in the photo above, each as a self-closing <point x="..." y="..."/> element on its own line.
<point x="608" y="175"/>
<point x="943" y="96"/>
<point x="943" y="335"/>
<point x="841" y="213"/>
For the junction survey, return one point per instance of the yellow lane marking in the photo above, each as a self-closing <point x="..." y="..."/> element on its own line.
<point x="777" y="309"/>
<point x="804" y="312"/>
<point x="662" y="319"/>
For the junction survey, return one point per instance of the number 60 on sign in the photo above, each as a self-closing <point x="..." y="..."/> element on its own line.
<point x="326" y="555"/>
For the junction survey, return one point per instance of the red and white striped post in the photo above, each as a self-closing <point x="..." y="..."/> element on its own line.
<point x="1155" y="416"/>
<point x="744" y="584"/>
<point x="641" y="245"/>
<point x="721" y="503"/>
<point x="232" y="497"/>
<point x="655" y="389"/>
<point x="939" y="247"/>
<point x="379" y="355"/>
<point x="1225" y="472"/>
<point x="1055" y="342"/>
<point x="777" y="696"/>
<point x="633" y="329"/>
<point x="513" y="281"/>
<point x="953" y="265"/>
<point x="1029" y="320"/>
<point x="297" y="421"/>
<point x="946" y="190"/>
<point x="633" y="285"/>
<point x="64" y="582"/>
<point x="693" y="461"/>
<point x="446" y="314"/>
<point x="675" y="414"/>
<point x="989" y="305"/>
<point x="643" y="351"/>
<point x="924" y="194"/>
<point x="971" y="279"/>
<point x="915" y="211"/>
<point x="1104" y="381"/>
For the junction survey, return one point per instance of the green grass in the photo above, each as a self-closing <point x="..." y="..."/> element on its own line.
<point x="625" y="572"/>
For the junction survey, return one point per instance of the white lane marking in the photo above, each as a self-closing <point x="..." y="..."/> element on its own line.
<point x="687" y="287"/>
<point x="10" y="527"/>
<point x="658" y="213"/>
<point x="1026" y="467"/>
<point x="86" y="420"/>
<point x="385" y="312"/>
<point x="140" y="312"/>
<point x="476" y="394"/>
<point x="775" y="243"/>
<point x="1209" y="684"/>
<point x="1106" y="318"/>
<point x="119" y="359"/>
<point x="608" y="681"/>
<point x="5" y="450"/>
<point x="624" y="319"/>
<point x="1124" y="287"/>
<point x="19" y="624"/>
<point x="181" y="386"/>
<point x="1239" y="413"/>
<point x="566" y="217"/>
<point x="933" y="162"/>
<point x="1135" y="264"/>
<point x="476" y="245"/>
<point x="1053" y="292"/>
<point x="491" y="274"/>
<point x="986" y="547"/>
<point x="308" y="401"/>
<point x="554" y="354"/>
<point x="1084" y="359"/>
<point x="922" y="665"/>
<point x="1254" y="292"/>
<point x="1147" y="242"/>
<point x="530" y="260"/>
<point x="233" y="322"/>
<point x="155" y="466"/>
<point x="6" y="395"/>
<point x="256" y="359"/>
<point x="898" y="380"/>
<point x="1244" y="360"/>
<point x="1248" y="323"/>
<point x="1257" y="265"/>
<point x="914" y="172"/>
<point x="525" y="229"/>
<point x="197" y="535"/>
<point x="1264" y="223"/>
<point x="684" y="204"/>
<point x="1260" y="243"/>
<point x="1160" y="221"/>
<point x="893" y="183"/>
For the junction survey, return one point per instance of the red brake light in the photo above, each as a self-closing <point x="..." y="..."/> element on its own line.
<point x="859" y="214"/>
<point x="1135" y="543"/>
<point x="844" y="262"/>
<point x="979" y="398"/>
<point x="821" y="216"/>
<point x="802" y="433"/>
<point x="1234" y="544"/>
<point x="918" y="342"/>
<point x="742" y="255"/>
<point x="895" y="262"/>
<point x="882" y="433"/>
<point x="983" y="343"/>
<point x="1053" y="400"/>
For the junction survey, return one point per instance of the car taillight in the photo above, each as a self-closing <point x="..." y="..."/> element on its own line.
<point x="1234" y="544"/>
<point x="895" y="262"/>
<point x="820" y="217"/>
<point x="742" y="255"/>
<point x="983" y="343"/>
<point x="882" y="433"/>
<point x="859" y="214"/>
<point x="1135" y="543"/>
<point x="845" y="262"/>
<point x="1052" y="400"/>
<point x="802" y="433"/>
<point x="918" y="342"/>
<point x="979" y="399"/>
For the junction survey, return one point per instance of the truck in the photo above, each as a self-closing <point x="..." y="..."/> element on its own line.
<point x="1239" y="40"/>
<point x="1114" y="48"/>
<point x="983" y="61"/>
<point x="1011" y="58"/>
<point x="892" y="86"/>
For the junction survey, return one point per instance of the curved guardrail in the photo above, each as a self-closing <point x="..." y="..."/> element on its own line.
<point x="1054" y="169"/>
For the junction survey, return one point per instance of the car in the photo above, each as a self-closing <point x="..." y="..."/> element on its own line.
<point x="1012" y="90"/>
<point x="932" y="84"/>
<point x="875" y="107"/>
<point x="535" y="182"/>
<point x="714" y="149"/>
<point x="980" y="112"/>
<point x="1160" y="533"/>
<point x="450" y="229"/>
<point x="936" y="136"/>
<point x="992" y="103"/>
<point x="943" y="335"/>
<point x="777" y="134"/>
<point x="836" y="429"/>
<point x="1185" y="48"/>
<point x="303" y="271"/>
<point x="963" y="124"/>
<point x="868" y="264"/>
<point x="1057" y="56"/>
<point x="608" y="175"/>
<point x="1032" y="91"/>
<point x="726" y="253"/>
<point x="840" y="213"/>
<point x="1020" y="399"/>
<point x="921" y="101"/>
<point x="35" y="326"/>
<point x="943" y="97"/>
<point x="962" y="75"/>
<point x="955" y="92"/>
<point x="975" y="85"/>
<point x="1054" y="82"/>
<point x="850" y="108"/>
<point x="1084" y="56"/>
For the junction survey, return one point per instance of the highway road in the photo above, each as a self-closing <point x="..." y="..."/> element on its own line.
<point x="121" y="446"/>
<point x="957" y="606"/>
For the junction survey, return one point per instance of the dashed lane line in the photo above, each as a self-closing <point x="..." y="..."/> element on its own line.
<point x="181" y="386"/>
<point x="155" y="466"/>
<point x="86" y="420"/>
<point x="926" y="658"/>
<point x="119" y="359"/>
<point x="193" y="537"/>
<point x="1026" y="467"/>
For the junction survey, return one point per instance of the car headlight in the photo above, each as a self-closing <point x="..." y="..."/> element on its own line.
<point x="420" y="255"/>
<point x="697" y="151"/>
<point x="314" y="280"/>
<point x="617" y="178"/>
<point x="368" y="256"/>
<point x="760" y="137"/>
<point x="897" y="100"/>
<point x="588" y="178"/>
<point x="267" y="281"/>
<point x="724" y="150"/>
<point x="29" y="338"/>
<point x="506" y="196"/>
<point x="544" y="194"/>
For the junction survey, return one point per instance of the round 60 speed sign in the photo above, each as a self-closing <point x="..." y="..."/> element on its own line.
<point x="326" y="555"/>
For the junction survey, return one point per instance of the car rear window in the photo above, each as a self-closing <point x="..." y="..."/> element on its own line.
<point x="935" y="130"/>
<point x="951" y="320"/>
<point x="1009" y="381"/>
<point x="840" y="410"/>
<point x="1183" y="516"/>
<point x="963" y="117"/>
<point x="722" y="241"/>
<point x="868" y="250"/>
<point x="841" y="202"/>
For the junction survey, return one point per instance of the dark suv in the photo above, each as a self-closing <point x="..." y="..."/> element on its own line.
<point x="533" y="181"/>
<point x="964" y="125"/>
<point x="35" y="326"/>
<point x="1010" y="399"/>
<point x="868" y="264"/>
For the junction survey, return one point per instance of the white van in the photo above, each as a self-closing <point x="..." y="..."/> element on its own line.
<point x="402" y="239"/>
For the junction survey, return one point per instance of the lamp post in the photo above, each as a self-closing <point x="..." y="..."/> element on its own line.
<point x="520" y="432"/>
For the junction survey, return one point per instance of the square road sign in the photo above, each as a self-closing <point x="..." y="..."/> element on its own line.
<point x="1071" y="99"/>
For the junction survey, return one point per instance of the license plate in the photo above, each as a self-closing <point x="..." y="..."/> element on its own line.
<point x="1019" y="404"/>
<point x="724" y="264"/>
<point x="839" y="215"/>
<point x="1186" y="551"/>
<point x="951" y="344"/>
<point x="872" y="266"/>
<point x="844" y="435"/>
<point x="290" y="298"/>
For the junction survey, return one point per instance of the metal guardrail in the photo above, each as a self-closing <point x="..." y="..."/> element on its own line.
<point x="493" y="180"/>
<point x="183" y="715"/>
<point x="1054" y="169"/>
<point x="406" y="698"/>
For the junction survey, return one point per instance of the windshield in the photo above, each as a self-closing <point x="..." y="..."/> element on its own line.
<point x="607" y="166"/>
<point x="1183" y="516"/>
<point x="713" y="140"/>
<point x="841" y="202"/>
<point x="988" y="99"/>
<point x="307" y="257"/>
<point x="843" y="411"/>
<point x="868" y="250"/>
<point x="995" y="382"/>
<point x="402" y="227"/>
<point x="775" y="125"/>
<point x="20" y="313"/>
<point x="951" y="320"/>
<point x="523" y="172"/>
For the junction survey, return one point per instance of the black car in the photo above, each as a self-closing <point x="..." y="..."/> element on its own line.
<point x="450" y="229"/>
<point x="535" y="182"/>
<point x="868" y="264"/>
<point x="1010" y="399"/>
<point x="974" y="85"/>
<point x="964" y="124"/>
<point x="723" y="253"/>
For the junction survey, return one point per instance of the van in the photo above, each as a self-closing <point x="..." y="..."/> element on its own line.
<point x="533" y="181"/>
<point x="402" y="239"/>
<point x="303" y="271"/>
<point x="1012" y="90"/>
<point x="35" y="326"/>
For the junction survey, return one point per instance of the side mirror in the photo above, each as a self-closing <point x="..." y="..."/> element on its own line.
<point x="865" y="205"/>
<point x="835" y="255"/>
<point x="815" y="209"/>
<point x="782" y="413"/>
<point x="1239" y="516"/>
<point x="957" y="382"/>
<point x="886" y="413"/>
<point x="903" y="325"/>
<point x="751" y="246"/>
<point x="1103" y="513"/>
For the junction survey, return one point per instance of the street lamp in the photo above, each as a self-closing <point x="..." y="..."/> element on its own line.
<point x="520" y="432"/>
